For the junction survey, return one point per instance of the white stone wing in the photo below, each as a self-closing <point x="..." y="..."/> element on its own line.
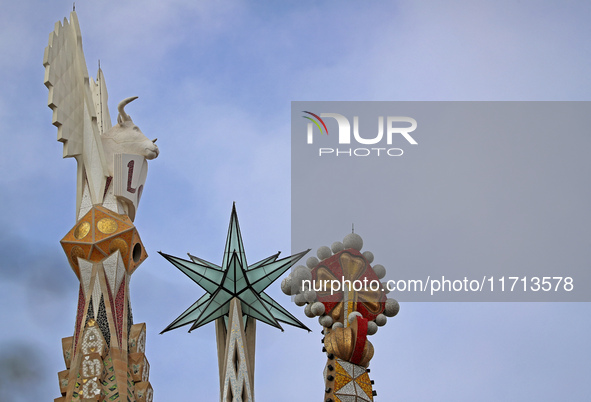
<point x="101" y="97"/>
<point x="73" y="97"/>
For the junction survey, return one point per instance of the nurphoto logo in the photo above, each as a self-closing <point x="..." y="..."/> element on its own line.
<point x="394" y="126"/>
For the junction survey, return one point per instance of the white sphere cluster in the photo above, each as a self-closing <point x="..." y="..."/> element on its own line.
<point x="337" y="324"/>
<point x="326" y="321"/>
<point x="368" y="255"/>
<point x="353" y="240"/>
<point x="337" y="247"/>
<point x="312" y="262"/>
<point x="286" y="286"/>
<point x="352" y="316"/>
<point x="293" y="286"/>
<point x="381" y="320"/>
<point x="379" y="270"/>
<point x="317" y="309"/>
<point x="323" y="253"/>
<point x="299" y="300"/>
<point x="310" y="296"/>
<point x="392" y="308"/>
<point x="301" y="273"/>
<point x="372" y="328"/>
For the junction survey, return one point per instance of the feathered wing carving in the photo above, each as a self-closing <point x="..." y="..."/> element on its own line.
<point x="65" y="79"/>
<point x="79" y="106"/>
<point x="100" y="96"/>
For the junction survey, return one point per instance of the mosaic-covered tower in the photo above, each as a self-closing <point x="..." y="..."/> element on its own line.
<point x="344" y="291"/>
<point x="104" y="357"/>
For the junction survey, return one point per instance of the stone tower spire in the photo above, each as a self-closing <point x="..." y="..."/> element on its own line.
<point x="104" y="357"/>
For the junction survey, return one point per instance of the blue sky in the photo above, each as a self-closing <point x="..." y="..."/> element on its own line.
<point x="215" y="82"/>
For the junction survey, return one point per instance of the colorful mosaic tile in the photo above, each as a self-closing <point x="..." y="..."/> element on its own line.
<point x="98" y="234"/>
<point x="110" y="388"/>
<point x="352" y="383"/>
<point x="103" y="322"/>
<point x="129" y="318"/>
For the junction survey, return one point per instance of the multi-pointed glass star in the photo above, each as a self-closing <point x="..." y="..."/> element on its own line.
<point x="234" y="279"/>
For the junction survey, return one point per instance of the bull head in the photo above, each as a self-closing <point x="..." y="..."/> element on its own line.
<point x="126" y="138"/>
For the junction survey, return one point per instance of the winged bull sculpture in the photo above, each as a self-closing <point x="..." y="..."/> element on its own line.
<point x="111" y="159"/>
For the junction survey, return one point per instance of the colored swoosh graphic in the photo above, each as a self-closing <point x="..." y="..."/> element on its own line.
<point x="313" y="121"/>
<point x="319" y="119"/>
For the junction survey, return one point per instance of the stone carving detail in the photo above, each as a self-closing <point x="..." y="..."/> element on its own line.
<point x="126" y="138"/>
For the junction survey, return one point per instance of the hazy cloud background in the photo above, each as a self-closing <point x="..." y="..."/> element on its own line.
<point x="215" y="82"/>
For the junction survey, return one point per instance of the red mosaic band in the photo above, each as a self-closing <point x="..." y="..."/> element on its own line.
<point x="360" y="340"/>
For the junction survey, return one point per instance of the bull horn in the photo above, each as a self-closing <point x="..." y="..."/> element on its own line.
<point x="121" y="108"/>
<point x="154" y="140"/>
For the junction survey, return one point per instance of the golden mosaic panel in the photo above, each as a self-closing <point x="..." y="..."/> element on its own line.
<point x="82" y="230"/>
<point x="363" y="378"/>
<point x="107" y="226"/>
<point x="341" y="380"/>
<point x="340" y="369"/>
<point x="97" y="254"/>
<point x="365" y="387"/>
<point x="111" y="232"/>
<point x="76" y="252"/>
<point x="118" y="244"/>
